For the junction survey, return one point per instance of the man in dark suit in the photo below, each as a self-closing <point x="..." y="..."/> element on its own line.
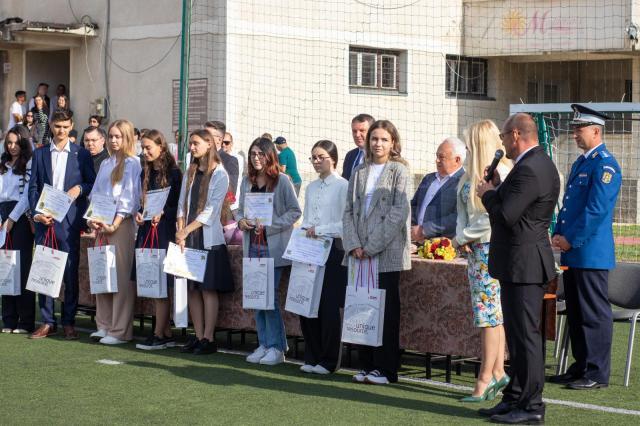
<point x="67" y="167"/>
<point x="359" y="128"/>
<point x="217" y="129"/>
<point x="433" y="207"/>
<point x="520" y="256"/>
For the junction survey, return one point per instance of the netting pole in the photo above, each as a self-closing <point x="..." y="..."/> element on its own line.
<point x="545" y="141"/>
<point x="185" y="48"/>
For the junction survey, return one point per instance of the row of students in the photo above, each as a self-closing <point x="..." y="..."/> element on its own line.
<point x="368" y="216"/>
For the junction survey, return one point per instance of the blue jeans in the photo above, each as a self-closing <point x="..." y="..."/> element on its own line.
<point x="269" y="324"/>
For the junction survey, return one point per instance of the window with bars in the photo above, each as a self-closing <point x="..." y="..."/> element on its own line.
<point x="466" y="76"/>
<point x="376" y="68"/>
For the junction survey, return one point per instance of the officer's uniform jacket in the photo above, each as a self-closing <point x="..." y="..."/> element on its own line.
<point x="586" y="217"/>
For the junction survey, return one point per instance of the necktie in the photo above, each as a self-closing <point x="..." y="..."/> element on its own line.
<point x="356" y="162"/>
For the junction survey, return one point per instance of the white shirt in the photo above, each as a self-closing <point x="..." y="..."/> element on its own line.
<point x="433" y="189"/>
<point x="325" y="201"/>
<point x="359" y="159"/>
<point x="18" y="109"/>
<point x="127" y="191"/>
<point x="375" y="170"/>
<point x="519" y="157"/>
<point x="59" y="164"/>
<point x="15" y="188"/>
<point x="588" y="153"/>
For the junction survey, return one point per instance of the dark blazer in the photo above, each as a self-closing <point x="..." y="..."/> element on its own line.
<point x="520" y="212"/>
<point x="347" y="165"/>
<point x="79" y="171"/>
<point x="230" y="164"/>
<point x="441" y="213"/>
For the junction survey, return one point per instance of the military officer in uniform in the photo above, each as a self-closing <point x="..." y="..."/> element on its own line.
<point x="584" y="234"/>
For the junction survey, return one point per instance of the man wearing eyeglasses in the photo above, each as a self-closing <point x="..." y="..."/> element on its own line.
<point x="227" y="146"/>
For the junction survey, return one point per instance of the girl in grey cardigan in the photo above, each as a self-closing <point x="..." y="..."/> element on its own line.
<point x="268" y="241"/>
<point x="376" y="223"/>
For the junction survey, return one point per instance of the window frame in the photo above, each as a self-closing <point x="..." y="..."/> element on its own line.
<point x="458" y="81"/>
<point x="381" y="55"/>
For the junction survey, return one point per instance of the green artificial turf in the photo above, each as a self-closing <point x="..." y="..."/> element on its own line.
<point x="53" y="381"/>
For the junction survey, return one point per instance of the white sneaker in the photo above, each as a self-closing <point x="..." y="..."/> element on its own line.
<point x="110" y="340"/>
<point x="6" y="330"/>
<point x="318" y="369"/>
<point x="20" y="331"/>
<point x="257" y="355"/>
<point x="307" y="368"/>
<point x="359" y="377"/>
<point x="99" y="334"/>
<point x="376" y="378"/>
<point x="273" y="357"/>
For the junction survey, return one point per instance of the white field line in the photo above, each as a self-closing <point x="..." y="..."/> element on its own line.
<point x="572" y="404"/>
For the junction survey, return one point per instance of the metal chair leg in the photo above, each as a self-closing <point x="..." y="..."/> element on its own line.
<point x="564" y="350"/>
<point x="632" y="333"/>
<point x="559" y="336"/>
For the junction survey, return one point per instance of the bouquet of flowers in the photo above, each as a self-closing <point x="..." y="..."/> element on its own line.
<point x="437" y="248"/>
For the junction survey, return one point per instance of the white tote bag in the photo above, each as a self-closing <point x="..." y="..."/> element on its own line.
<point x="305" y="289"/>
<point x="103" y="277"/>
<point x="258" y="283"/>
<point x="364" y="306"/>
<point x="9" y="270"/>
<point x="180" y="306"/>
<point x="47" y="268"/>
<point x="151" y="281"/>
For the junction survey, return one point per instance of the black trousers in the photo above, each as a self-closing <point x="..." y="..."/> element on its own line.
<point x="322" y="334"/>
<point x="590" y="322"/>
<point x="522" y="309"/>
<point x="20" y="311"/>
<point x="386" y="358"/>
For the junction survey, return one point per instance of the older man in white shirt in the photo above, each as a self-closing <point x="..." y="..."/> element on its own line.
<point x="433" y="207"/>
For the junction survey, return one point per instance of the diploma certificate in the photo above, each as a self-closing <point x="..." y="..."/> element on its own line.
<point x="190" y="264"/>
<point x="154" y="202"/>
<point x="101" y="209"/>
<point x="259" y="206"/>
<point x="54" y="202"/>
<point x="307" y="250"/>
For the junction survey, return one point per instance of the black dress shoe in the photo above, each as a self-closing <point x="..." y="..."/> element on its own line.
<point x="562" y="379"/>
<point x="205" y="347"/>
<point x="585" y="384"/>
<point x="518" y="416"/>
<point x="190" y="346"/>
<point x="502" y="408"/>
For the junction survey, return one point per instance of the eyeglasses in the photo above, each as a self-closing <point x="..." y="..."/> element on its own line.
<point x="257" y="154"/>
<point x="505" y="133"/>
<point x="318" y="159"/>
<point x="227" y="142"/>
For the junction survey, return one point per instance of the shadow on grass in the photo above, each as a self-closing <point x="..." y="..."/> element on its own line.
<point x="227" y="373"/>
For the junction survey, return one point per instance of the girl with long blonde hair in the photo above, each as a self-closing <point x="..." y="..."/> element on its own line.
<point x="473" y="233"/>
<point x="119" y="179"/>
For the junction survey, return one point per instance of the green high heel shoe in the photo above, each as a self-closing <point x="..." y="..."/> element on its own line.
<point x="488" y="395"/>
<point x="502" y="383"/>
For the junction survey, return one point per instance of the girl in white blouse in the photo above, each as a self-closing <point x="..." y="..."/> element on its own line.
<point x="18" y="312"/>
<point x="204" y="188"/>
<point x="119" y="178"/>
<point x="325" y="200"/>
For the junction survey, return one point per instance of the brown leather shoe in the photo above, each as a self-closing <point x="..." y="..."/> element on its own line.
<point x="70" y="333"/>
<point x="43" y="331"/>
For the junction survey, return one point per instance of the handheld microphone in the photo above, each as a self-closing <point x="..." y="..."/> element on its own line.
<point x="494" y="164"/>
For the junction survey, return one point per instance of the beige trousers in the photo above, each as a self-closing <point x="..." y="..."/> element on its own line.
<point x="114" y="311"/>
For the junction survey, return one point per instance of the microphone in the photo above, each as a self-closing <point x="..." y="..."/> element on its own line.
<point x="494" y="164"/>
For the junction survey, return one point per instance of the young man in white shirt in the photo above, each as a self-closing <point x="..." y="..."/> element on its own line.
<point x="18" y="109"/>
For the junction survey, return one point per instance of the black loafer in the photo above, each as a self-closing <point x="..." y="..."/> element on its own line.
<point x="562" y="379"/>
<point x="501" y="408"/>
<point x="586" y="384"/>
<point x="518" y="416"/>
<point x="205" y="347"/>
<point x="190" y="346"/>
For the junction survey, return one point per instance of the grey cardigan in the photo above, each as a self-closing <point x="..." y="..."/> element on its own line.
<point x="384" y="230"/>
<point x="286" y="211"/>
